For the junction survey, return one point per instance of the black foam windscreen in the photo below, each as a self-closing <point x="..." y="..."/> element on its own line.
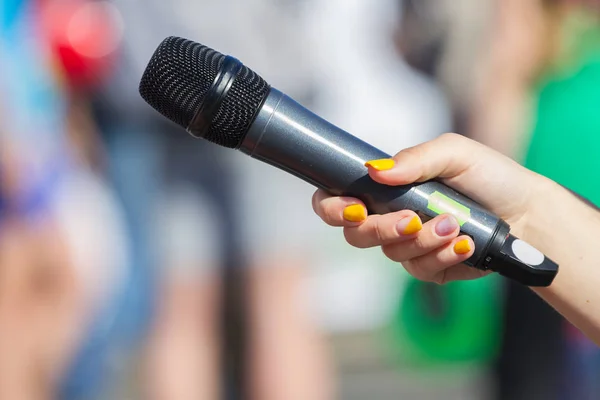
<point x="178" y="77"/>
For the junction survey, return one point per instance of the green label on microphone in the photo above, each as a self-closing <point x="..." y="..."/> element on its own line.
<point x="442" y="204"/>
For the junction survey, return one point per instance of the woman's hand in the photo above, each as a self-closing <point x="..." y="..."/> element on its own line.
<point x="434" y="251"/>
<point x="539" y="211"/>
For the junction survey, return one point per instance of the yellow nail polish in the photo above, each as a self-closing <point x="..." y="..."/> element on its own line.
<point x="462" y="247"/>
<point x="381" y="165"/>
<point x="413" y="226"/>
<point x="355" y="213"/>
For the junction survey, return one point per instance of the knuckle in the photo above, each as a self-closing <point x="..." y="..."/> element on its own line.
<point x="315" y="203"/>
<point x="451" y="136"/>
<point x="352" y="237"/>
<point x="378" y="230"/>
<point x="330" y="215"/>
<point x="420" y="243"/>
<point x="416" y="270"/>
<point x="441" y="278"/>
<point x="390" y="251"/>
<point x="412" y="152"/>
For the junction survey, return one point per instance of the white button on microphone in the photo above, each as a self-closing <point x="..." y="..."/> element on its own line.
<point x="527" y="253"/>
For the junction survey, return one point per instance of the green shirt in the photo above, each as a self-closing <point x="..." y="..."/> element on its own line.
<point x="565" y="145"/>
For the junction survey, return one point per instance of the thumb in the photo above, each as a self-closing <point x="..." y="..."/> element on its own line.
<point x="445" y="157"/>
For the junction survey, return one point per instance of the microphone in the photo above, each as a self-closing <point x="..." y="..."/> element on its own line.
<point x="217" y="98"/>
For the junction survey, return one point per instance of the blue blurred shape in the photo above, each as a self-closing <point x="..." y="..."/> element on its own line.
<point x="9" y="10"/>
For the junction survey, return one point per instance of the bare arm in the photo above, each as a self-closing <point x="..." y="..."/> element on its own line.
<point x="567" y="229"/>
<point x="539" y="211"/>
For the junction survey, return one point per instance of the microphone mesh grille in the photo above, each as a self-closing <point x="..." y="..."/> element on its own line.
<point x="238" y="109"/>
<point x="178" y="78"/>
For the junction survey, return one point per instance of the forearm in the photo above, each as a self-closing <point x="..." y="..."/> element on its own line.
<point x="566" y="229"/>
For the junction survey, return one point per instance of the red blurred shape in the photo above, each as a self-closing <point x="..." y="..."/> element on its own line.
<point x="84" y="37"/>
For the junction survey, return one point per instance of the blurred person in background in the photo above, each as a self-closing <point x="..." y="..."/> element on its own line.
<point x="191" y="205"/>
<point x="176" y="194"/>
<point x="364" y="85"/>
<point x="444" y="39"/>
<point x="537" y="101"/>
<point x="62" y="252"/>
<point x="324" y="71"/>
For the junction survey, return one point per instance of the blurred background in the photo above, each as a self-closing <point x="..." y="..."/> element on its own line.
<point x="139" y="263"/>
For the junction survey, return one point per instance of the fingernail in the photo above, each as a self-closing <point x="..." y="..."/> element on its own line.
<point x="462" y="247"/>
<point x="355" y="213"/>
<point x="381" y="165"/>
<point x="446" y="226"/>
<point x="409" y="226"/>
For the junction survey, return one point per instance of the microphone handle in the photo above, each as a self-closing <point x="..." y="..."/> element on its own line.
<point x="292" y="138"/>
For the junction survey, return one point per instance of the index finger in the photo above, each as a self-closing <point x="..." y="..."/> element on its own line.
<point x="336" y="211"/>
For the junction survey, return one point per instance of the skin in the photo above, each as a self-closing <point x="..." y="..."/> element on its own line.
<point x="41" y="310"/>
<point x="539" y="211"/>
<point x="286" y="355"/>
<point x="502" y="107"/>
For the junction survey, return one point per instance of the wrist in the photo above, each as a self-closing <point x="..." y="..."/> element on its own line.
<point x="556" y="217"/>
<point x="565" y="228"/>
<point x="545" y="198"/>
